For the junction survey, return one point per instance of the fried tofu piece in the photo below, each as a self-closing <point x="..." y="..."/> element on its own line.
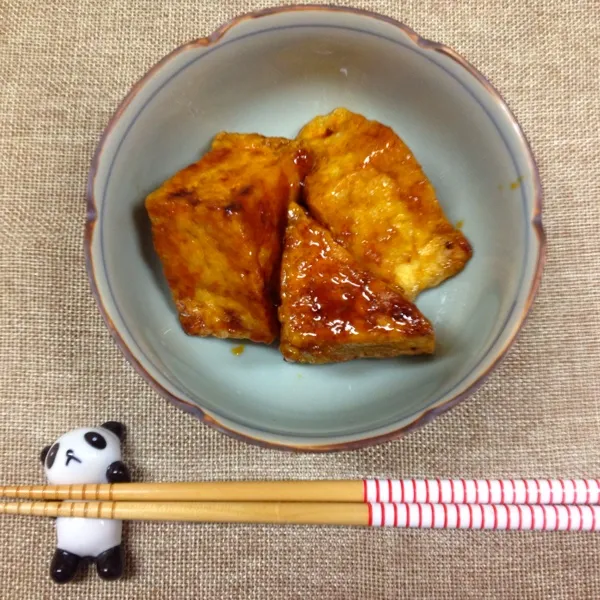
<point x="332" y="310"/>
<point x="368" y="189"/>
<point x="218" y="229"/>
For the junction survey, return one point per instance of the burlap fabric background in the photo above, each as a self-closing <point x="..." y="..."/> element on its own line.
<point x="64" y="66"/>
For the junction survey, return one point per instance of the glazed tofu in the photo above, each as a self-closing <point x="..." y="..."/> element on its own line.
<point x="218" y="229"/>
<point x="368" y="189"/>
<point x="332" y="310"/>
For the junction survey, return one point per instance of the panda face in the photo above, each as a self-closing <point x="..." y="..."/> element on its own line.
<point x="82" y="456"/>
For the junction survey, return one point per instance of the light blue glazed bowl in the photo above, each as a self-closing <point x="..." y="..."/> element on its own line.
<point x="271" y="72"/>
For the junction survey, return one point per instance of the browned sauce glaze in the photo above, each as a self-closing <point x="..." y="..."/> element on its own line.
<point x="376" y="236"/>
<point x="333" y="310"/>
<point x="368" y="189"/>
<point x="218" y="228"/>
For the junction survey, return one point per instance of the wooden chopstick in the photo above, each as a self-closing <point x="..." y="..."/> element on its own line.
<point x="550" y="517"/>
<point x="209" y="491"/>
<point x="302" y="513"/>
<point x="439" y="491"/>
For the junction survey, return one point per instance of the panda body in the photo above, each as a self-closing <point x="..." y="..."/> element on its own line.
<point x="87" y="538"/>
<point x="86" y="456"/>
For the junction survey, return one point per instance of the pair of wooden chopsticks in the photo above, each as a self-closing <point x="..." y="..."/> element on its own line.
<point x="466" y="504"/>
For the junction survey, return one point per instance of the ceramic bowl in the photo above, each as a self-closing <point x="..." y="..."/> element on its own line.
<point x="271" y="72"/>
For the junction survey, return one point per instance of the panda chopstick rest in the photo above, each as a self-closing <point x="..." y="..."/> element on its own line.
<point x="87" y="455"/>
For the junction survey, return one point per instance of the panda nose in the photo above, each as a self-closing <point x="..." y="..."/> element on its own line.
<point x="71" y="456"/>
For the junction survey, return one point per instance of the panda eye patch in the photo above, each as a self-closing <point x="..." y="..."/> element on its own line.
<point x="95" y="439"/>
<point x="51" y="457"/>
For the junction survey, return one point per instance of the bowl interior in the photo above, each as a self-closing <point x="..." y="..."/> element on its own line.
<point x="272" y="80"/>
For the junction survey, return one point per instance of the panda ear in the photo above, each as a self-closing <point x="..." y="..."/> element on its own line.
<point x="44" y="452"/>
<point x="117" y="428"/>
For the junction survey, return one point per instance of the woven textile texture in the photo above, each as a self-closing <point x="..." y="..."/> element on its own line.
<point x="64" y="67"/>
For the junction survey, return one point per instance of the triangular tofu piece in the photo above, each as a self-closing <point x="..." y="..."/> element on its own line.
<point x="332" y="310"/>
<point x="368" y="189"/>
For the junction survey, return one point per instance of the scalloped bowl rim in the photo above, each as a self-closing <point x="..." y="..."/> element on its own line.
<point x="422" y="417"/>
